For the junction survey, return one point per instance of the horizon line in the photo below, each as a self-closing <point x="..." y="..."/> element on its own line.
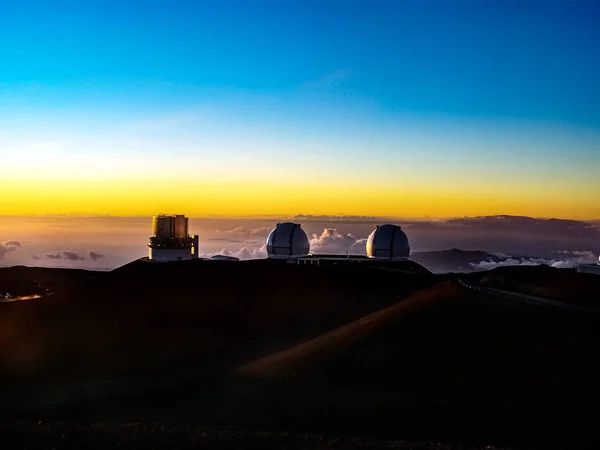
<point x="306" y="217"/>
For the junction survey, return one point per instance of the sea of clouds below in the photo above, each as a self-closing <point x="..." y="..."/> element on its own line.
<point x="102" y="243"/>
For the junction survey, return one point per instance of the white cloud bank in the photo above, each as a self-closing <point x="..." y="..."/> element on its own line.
<point x="329" y="241"/>
<point x="567" y="259"/>
<point x="332" y="241"/>
<point x="243" y="253"/>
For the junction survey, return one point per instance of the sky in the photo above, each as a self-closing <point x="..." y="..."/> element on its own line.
<point x="420" y="109"/>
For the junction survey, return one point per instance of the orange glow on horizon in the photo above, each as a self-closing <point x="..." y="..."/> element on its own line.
<point x="236" y="199"/>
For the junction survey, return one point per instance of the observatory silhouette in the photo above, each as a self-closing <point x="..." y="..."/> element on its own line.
<point x="170" y="240"/>
<point x="287" y="240"/>
<point x="388" y="242"/>
<point x="387" y="245"/>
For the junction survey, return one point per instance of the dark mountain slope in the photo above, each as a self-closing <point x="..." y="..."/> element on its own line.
<point x="564" y="285"/>
<point x="146" y="316"/>
<point x="347" y="350"/>
<point x="443" y="359"/>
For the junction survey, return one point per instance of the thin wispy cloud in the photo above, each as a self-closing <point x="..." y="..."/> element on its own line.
<point x="68" y="255"/>
<point x="244" y="231"/>
<point x="338" y="218"/>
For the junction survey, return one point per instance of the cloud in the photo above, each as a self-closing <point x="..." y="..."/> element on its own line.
<point x="94" y="256"/>
<point x="564" y="264"/>
<point x="243" y="253"/>
<point x="571" y="259"/>
<point x="72" y="256"/>
<point x="340" y="218"/>
<point x="584" y="254"/>
<point x="251" y="253"/>
<point x="332" y="241"/>
<point x="487" y="265"/>
<point x="329" y="241"/>
<point x="231" y="241"/>
<point x="8" y="246"/>
<point x="248" y="232"/>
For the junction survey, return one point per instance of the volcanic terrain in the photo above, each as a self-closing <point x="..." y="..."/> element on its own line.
<point x="349" y="350"/>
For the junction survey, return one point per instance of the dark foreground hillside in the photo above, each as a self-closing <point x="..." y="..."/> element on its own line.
<point x="146" y="316"/>
<point x="70" y="436"/>
<point x="22" y="281"/>
<point x="564" y="285"/>
<point x="441" y="359"/>
<point x="342" y="350"/>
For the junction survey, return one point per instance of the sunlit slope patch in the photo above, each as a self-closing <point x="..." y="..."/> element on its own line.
<point x="308" y="356"/>
<point x="443" y="351"/>
<point x="211" y="313"/>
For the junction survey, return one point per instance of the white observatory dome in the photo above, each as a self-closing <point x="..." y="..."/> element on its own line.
<point x="388" y="242"/>
<point x="287" y="240"/>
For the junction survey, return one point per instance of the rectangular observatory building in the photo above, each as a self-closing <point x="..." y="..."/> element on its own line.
<point x="170" y="240"/>
<point x="180" y="225"/>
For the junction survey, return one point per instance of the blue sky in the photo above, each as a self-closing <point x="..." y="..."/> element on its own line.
<point x="514" y="58"/>
<point x="308" y="88"/>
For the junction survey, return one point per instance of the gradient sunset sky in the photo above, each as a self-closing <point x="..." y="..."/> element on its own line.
<point x="242" y="108"/>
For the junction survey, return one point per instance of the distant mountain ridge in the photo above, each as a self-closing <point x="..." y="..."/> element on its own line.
<point x="457" y="260"/>
<point x="454" y="260"/>
<point x="525" y="224"/>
